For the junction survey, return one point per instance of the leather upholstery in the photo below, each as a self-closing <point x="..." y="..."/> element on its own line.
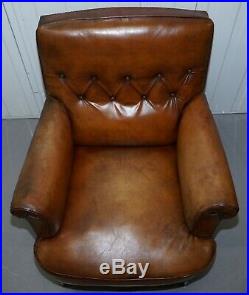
<point x="41" y="191"/>
<point x="120" y="77"/>
<point x="126" y="161"/>
<point x="207" y="194"/>
<point x="122" y="203"/>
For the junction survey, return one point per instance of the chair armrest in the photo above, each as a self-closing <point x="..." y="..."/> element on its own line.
<point x="41" y="190"/>
<point x="206" y="184"/>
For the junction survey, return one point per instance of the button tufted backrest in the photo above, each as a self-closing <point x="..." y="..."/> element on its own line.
<point x="125" y="74"/>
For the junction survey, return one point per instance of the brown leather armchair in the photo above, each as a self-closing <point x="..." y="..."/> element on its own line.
<point x="126" y="162"/>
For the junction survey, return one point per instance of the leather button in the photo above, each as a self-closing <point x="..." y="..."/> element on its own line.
<point x="94" y="77"/>
<point x="190" y="71"/>
<point x="213" y="213"/>
<point x="128" y="78"/>
<point x="81" y="97"/>
<point x="159" y="75"/>
<point x="172" y="94"/>
<point x="112" y="98"/>
<point x="62" y="76"/>
<point x="144" y="96"/>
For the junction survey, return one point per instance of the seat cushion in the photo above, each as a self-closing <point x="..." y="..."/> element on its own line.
<point x="124" y="203"/>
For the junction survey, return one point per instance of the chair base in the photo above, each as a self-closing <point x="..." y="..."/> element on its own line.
<point x="128" y="285"/>
<point x="129" y="288"/>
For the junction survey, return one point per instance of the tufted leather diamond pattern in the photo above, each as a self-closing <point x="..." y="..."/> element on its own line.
<point x="125" y="81"/>
<point x="157" y="86"/>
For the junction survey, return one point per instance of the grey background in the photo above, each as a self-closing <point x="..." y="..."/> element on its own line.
<point x="20" y="271"/>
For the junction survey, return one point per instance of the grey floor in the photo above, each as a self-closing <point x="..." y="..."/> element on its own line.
<point x="20" y="272"/>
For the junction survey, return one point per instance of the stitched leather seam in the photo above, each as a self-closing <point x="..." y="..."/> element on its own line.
<point x="124" y="17"/>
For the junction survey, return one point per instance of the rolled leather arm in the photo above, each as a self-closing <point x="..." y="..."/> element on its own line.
<point x="41" y="190"/>
<point x="206" y="184"/>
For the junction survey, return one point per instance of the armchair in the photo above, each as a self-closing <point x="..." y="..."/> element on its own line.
<point x="126" y="161"/>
